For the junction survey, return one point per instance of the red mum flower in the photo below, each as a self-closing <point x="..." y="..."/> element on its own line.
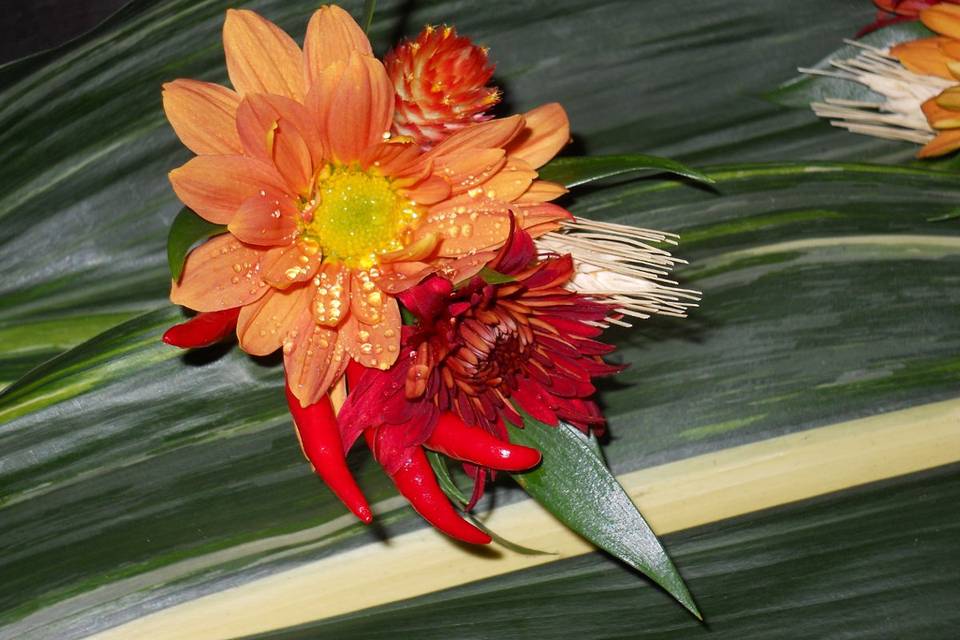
<point x="482" y="348"/>
<point x="440" y="82"/>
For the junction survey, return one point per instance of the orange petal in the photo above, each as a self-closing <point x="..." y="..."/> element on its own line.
<point x="268" y="218"/>
<point x="261" y="58"/>
<point x="203" y="115"/>
<point x="284" y="266"/>
<point x="461" y="229"/>
<point x="542" y="191"/>
<point x="538" y="219"/>
<point x="465" y="171"/>
<point x="374" y="345"/>
<point x="313" y="358"/>
<point x="951" y="48"/>
<point x="924" y="57"/>
<point x="511" y="182"/>
<point x="400" y="276"/>
<point x="547" y="131"/>
<point x="264" y="325"/>
<point x="366" y="300"/>
<point x="485" y="135"/>
<point x="943" y="18"/>
<point x="332" y="35"/>
<point x="430" y="191"/>
<point x="331" y="305"/>
<point x="216" y="186"/>
<point x="420" y="249"/>
<point x="352" y="103"/>
<point x="398" y="160"/>
<point x="280" y="130"/>
<point x="220" y="274"/>
<point x="943" y="144"/>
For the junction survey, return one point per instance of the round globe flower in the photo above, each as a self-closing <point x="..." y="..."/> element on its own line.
<point x="440" y="80"/>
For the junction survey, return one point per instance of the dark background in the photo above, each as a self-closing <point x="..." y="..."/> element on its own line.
<point x="29" y="26"/>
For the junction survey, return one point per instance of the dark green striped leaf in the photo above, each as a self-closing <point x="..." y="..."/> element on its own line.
<point x="369" y="8"/>
<point x="576" y="171"/>
<point x="575" y="485"/>
<point x="188" y="229"/>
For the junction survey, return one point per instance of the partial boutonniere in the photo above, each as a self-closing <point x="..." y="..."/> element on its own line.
<point x="899" y="83"/>
<point x="401" y="246"/>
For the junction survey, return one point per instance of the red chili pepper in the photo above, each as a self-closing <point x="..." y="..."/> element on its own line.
<point x="203" y="329"/>
<point x="320" y="440"/>
<point x="416" y="483"/>
<point x="454" y="438"/>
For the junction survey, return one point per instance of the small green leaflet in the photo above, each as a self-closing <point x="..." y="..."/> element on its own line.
<point x="494" y="277"/>
<point x="459" y="498"/>
<point x="574" y="171"/>
<point x="574" y="484"/>
<point x="187" y="230"/>
<point x="369" y="7"/>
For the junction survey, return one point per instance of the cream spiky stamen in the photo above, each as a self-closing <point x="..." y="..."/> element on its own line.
<point x="899" y="116"/>
<point x="622" y="265"/>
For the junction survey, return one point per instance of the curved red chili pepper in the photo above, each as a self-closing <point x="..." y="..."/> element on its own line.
<point x="320" y="440"/>
<point x="454" y="438"/>
<point x="203" y="329"/>
<point x="416" y="482"/>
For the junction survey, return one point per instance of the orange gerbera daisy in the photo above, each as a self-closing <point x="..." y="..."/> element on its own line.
<point x="330" y="217"/>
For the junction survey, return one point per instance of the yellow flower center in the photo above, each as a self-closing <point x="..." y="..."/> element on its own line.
<point x="356" y="216"/>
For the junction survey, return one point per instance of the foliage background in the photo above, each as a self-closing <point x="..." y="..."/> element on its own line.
<point x="134" y="477"/>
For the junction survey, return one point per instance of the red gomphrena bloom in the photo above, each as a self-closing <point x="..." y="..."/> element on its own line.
<point x="481" y="347"/>
<point x="440" y="81"/>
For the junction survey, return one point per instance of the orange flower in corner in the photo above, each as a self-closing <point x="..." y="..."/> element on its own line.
<point x="329" y="216"/>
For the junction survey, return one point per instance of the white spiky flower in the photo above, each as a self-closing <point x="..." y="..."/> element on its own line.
<point x="623" y="266"/>
<point x="898" y="115"/>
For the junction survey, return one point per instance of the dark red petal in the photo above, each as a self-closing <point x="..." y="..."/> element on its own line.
<point x="536" y="401"/>
<point x="320" y="439"/>
<point x="203" y="330"/>
<point x="427" y="299"/>
<point x="415" y="480"/>
<point x="518" y="252"/>
<point x="452" y="437"/>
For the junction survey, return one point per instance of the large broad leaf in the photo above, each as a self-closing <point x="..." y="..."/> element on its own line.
<point x="134" y="478"/>
<point x="84" y="147"/>
<point x="876" y="562"/>
<point x="830" y="296"/>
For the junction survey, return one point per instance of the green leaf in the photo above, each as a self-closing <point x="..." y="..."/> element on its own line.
<point x="369" y="8"/>
<point x="576" y="171"/>
<point x="440" y="468"/>
<point x="575" y="485"/>
<point x="445" y="480"/>
<point x="894" y="542"/>
<point x="490" y="276"/>
<point x="804" y="89"/>
<point x="187" y="230"/>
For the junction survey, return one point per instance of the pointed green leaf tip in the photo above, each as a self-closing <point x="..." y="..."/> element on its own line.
<point x="577" y="170"/>
<point x="187" y="229"/>
<point x="575" y="485"/>
<point x="369" y="7"/>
